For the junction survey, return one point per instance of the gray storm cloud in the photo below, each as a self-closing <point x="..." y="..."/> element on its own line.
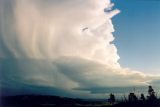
<point x="62" y="44"/>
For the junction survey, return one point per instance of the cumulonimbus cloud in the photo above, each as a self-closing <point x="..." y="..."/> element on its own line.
<point x="63" y="44"/>
<point x="49" y="29"/>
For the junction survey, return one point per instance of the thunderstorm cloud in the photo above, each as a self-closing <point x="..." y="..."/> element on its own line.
<point x="61" y="47"/>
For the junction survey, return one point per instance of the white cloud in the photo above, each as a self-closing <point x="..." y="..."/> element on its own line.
<point x="44" y="44"/>
<point x="49" y="29"/>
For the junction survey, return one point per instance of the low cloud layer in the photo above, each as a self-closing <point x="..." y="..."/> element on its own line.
<point x="72" y="74"/>
<point x="61" y="47"/>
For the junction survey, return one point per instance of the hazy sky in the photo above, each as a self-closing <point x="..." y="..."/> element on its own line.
<point x="138" y="34"/>
<point x="67" y="47"/>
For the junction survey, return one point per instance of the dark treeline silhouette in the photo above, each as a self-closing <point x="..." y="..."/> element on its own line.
<point x="112" y="99"/>
<point x="149" y="101"/>
<point x="54" y="101"/>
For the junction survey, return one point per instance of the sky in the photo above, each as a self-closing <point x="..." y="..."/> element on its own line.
<point x="69" y="48"/>
<point x="137" y="34"/>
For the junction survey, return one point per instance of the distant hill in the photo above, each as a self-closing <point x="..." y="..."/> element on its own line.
<point x="44" y="101"/>
<point x="56" y="101"/>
